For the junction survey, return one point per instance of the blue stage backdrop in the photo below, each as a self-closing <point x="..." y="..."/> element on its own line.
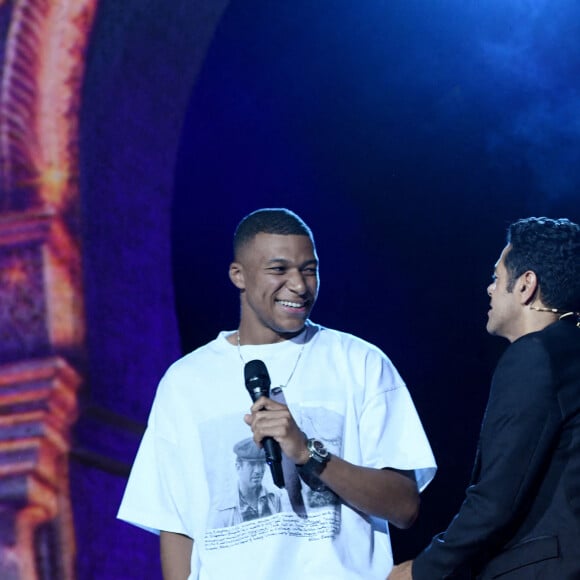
<point x="408" y="134"/>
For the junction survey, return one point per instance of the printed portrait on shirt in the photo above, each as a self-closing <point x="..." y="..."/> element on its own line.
<point x="251" y="500"/>
<point x="245" y="502"/>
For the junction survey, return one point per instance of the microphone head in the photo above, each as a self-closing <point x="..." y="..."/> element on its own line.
<point x="257" y="379"/>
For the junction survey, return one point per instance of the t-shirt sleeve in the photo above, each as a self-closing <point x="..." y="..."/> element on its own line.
<point x="390" y="426"/>
<point x="152" y="496"/>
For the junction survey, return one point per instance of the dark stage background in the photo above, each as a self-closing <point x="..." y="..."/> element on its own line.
<point x="408" y="134"/>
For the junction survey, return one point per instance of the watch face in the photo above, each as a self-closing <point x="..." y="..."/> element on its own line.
<point x="319" y="457"/>
<point x="318" y="448"/>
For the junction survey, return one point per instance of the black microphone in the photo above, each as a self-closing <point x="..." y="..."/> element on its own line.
<point x="258" y="385"/>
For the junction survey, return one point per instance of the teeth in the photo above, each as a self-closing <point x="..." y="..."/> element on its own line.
<point x="290" y="304"/>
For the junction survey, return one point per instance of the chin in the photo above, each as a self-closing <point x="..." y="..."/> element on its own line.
<point x="293" y="330"/>
<point x="295" y="325"/>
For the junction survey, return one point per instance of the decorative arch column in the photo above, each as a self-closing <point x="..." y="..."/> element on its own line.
<point x="42" y="322"/>
<point x="92" y="97"/>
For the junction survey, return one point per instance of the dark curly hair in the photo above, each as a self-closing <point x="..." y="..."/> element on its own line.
<point x="551" y="249"/>
<point x="269" y="220"/>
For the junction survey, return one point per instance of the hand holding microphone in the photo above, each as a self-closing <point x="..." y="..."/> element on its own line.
<point x="258" y="384"/>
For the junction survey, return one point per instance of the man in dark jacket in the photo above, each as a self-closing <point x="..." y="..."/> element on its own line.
<point x="521" y="514"/>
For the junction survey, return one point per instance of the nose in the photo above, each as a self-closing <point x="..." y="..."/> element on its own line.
<point x="296" y="282"/>
<point x="490" y="289"/>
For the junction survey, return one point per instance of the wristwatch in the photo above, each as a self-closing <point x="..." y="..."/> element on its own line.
<point x="319" y="457"/>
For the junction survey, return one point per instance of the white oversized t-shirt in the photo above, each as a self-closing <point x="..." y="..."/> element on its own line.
<point x="344" y="391"/>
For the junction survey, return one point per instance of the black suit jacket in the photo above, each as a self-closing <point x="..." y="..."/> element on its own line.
<point x="521" y="514"/>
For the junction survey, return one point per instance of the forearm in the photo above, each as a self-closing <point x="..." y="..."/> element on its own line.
<point x="383" y="493"/>
<point x="175" y="555"/>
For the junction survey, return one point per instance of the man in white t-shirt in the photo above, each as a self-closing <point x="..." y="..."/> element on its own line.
<point x="346" y="421"/>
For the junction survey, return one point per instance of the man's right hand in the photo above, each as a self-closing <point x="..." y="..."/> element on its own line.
<point x="271" y="419"/>
<point x="402" y="571"/>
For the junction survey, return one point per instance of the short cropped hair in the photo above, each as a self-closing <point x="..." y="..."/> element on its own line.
<point x="268" y="220"/>
<point x="551" y="249"/>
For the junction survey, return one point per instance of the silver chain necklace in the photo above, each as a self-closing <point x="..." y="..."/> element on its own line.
<point x="295" y="364"/>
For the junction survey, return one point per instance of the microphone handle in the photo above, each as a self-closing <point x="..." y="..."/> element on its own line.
<point x="274" y="460"/>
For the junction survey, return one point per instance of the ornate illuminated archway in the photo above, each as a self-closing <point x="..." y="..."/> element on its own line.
<point x="42" y="318"/>
<point x="45" y="187"/>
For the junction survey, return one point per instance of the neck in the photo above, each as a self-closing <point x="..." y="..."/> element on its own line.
<point x="539" y="317"/>
<point x="250" y="494"/>
<point x="266" y="336"/>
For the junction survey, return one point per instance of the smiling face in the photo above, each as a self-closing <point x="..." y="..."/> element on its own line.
<point x="278" y="279"/>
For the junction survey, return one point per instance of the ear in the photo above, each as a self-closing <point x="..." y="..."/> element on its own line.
<point x="527" y="285"/>
<point x="237" y="275"/>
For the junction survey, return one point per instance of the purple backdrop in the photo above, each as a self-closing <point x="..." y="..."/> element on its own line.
<point x="408" y="135"/>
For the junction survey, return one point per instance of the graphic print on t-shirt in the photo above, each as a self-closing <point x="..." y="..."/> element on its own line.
<point x="245" y="505"/>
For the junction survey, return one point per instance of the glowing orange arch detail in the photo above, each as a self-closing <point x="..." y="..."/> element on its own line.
<point x="40" y="100"/>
